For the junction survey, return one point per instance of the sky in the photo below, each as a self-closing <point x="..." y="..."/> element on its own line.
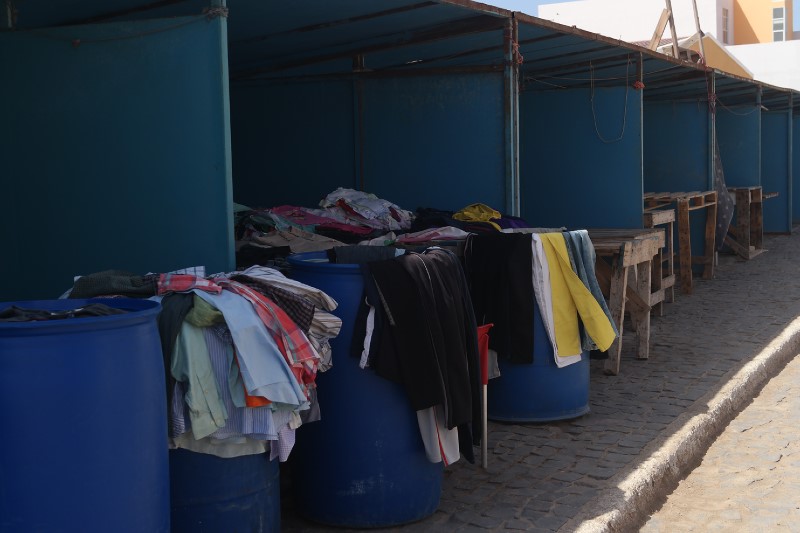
<point x="531" y="7"/>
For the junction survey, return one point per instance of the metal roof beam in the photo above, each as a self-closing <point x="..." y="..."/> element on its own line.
<point x="467" y="26"/>
<point x="122" y="12"/>
<point x="582" y="66"/>
<point x="577" y="53"/>
<point x="333" y="23"/>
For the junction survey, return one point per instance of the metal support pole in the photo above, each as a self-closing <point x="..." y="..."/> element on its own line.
<point x="790" y="162"/>
<point x="712" y="125"/>
<point x="485" y="428"/>
<point x="359" y="65"/>
<point x="761" y="108"/>
<point x="511" y="112"/>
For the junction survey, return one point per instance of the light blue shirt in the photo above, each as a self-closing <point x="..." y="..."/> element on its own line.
<point x="582" y="256"/>
<point x="264" y="370"/>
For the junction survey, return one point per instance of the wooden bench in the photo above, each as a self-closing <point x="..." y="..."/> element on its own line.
<point x="663" y="277"/>
<point x="746" y="238"/>
<point x="687" y="202"/>
<point x="618" y="252"/>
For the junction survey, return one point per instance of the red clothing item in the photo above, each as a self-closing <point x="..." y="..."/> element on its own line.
<point x="291" y="340"/>
<point x="185" y="282"/>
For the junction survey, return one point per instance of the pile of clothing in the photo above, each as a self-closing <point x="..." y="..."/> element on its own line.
<point x="508" y="272"/>
<point x="349" y="217"/>
<point x="241" y="353"/>
<point x="416" y="327"/>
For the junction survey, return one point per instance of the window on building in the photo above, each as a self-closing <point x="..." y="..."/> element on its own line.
<point x="778" y="24"/>
<point x="724" y="25"/>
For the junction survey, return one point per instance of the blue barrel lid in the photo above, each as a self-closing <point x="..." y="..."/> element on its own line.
<point x="138" y="311"/>
<point x="318" y="262"/>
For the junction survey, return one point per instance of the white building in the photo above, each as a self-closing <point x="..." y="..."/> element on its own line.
<point x="773" y="63"/>
<point x="759" y="21"/>
<point x="635" y="20"/>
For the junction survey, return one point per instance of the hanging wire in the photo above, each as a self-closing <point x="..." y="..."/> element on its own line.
<point x="537" y="80"/>
<point x="712" y="95"/>
<point x="625" y="112"/>
<point x="617" y="78"/>
<point x="732" y="112"/>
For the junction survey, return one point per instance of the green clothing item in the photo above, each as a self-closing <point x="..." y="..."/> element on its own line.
<point x="191" y="364"/>
<point x="203" y="314"/>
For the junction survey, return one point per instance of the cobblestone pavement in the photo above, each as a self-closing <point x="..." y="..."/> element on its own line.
<point x="648" y="426"/>
<point x="749" y="479"/>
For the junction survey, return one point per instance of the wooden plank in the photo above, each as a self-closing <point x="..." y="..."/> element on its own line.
<point x="642" y="318"/>
<point x="644" y="250"/>
<point x="659" y="31"/>
<point x="656" y="218"/>
<point x="603" y="273"/>
<point x="657" y="283"/>
<point x="743" y="225"/>
<point x="616" y="305"/>
<point x="684" y="247"/>
<point x="738" y="248"/>
<point x="711" y="237"/>
<point x="757" y="225"/>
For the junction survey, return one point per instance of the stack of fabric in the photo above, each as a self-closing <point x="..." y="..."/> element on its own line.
<point x="347" y="217"/>
<point x="241" y="354"/>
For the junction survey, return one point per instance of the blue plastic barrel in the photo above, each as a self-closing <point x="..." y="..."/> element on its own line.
<point x="213" y="494"/>
<point x="363" y="465"/>
<point x="83" y="418"/>
<point x="539" y="392"/>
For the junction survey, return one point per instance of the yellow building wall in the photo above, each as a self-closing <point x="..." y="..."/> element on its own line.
<point x="718" y="58"/>
<point x="752" y="20"/>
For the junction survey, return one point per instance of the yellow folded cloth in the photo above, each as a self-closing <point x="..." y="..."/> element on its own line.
<point x="478" y="213"/>
<point x="572" y="299"/>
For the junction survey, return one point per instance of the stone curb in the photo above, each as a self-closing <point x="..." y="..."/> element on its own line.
<point x="640" y="489"/>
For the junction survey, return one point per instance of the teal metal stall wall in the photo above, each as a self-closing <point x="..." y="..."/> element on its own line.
<point x="677" y="152"/>
<point x="775" y="171"/>
<point x="739" y="136"/>
<point x="428" y="141"/>
<point x="115" y="151"/>
<point x="435" y="141"/>
<point x="796" y="168"/>
<point x="292" y="142"/>
<point x="568" y="175"/>
<point x="677" y="155"/>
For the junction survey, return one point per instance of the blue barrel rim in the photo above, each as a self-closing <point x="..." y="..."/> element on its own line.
<point x="319" y="262"/>
<point x="139" y="309"/>
<point x="111" y="376"/>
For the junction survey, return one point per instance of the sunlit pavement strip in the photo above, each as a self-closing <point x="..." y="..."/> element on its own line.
<point x="644" y="485"/>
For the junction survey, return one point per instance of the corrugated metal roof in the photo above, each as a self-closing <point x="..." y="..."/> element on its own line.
<point x="395" y="37"/>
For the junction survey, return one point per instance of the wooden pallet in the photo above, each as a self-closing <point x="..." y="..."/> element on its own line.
<point x="685" y="203"/>
<point x="746" y="238"/>
<point x="663" y="277"/>
<point x="695" y="199"/>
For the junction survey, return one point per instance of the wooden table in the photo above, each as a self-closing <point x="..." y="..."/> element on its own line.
<point x="664" y="263"/>
<point x="687" y="202"/>
<point x="618" y="252"/>
<point x="747" y="237"/>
